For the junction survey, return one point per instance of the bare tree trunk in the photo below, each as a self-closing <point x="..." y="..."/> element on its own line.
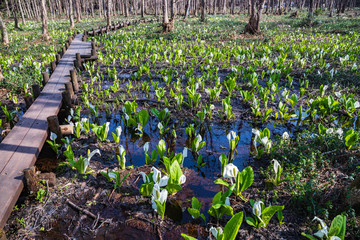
<point x="126" y="9"/>
<point x="343" y="6"/>
<point x="233" y="7"/>
<point x="224" y="7"/>
<point x="44" y="18"/>
<point x="7" y="8"/>
<point x="16" y="22"/>
<point x="311" y="7"/>
<point x="78" y="12"/>
<point x="173" y="11"/>
<point x="21" y="13"/>
<point x="168" y="26"/>
<point x="71" y="14"/>
<point x="4" y="34"/>
<point x="202" y="10"/>
<point x="142" y="8"/>
<point x="257" y="7"/>
<point x="108" y="17"/>
<point x="281" y="7"/>
<point x="187" y="9"/>
<point x="250" y="7"/>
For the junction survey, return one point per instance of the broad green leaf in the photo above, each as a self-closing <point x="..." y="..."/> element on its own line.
<point x="187" y="237"/>
<point x="269" y="212"/>
<point x="251" y="221"/>
<point x="246" y="178"/>
<point x="146" y="188"/>
<point x="232" y="226"/>
<point x="221" y="182"/>
<point x="338" y="227"/>
<point x="160" y="208"/>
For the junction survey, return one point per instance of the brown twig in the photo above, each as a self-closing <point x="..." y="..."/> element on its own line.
<point x="81" y="209"/>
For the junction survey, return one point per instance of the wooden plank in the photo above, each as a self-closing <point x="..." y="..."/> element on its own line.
<point x="21" y="147"/>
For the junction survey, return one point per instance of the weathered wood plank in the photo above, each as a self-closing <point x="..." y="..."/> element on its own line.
<point x="21" y="147"/>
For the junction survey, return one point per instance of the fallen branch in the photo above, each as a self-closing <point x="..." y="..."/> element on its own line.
<point x="81" y="209"/>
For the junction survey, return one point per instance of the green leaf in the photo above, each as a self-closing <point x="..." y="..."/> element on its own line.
<point x="232" y="226"/>
<point x="143" y="117"/>
<point x="338" y="227"/>
<point x="251" y="221"/>
<point x="221" y="182"/>
<point x="195" y="213"/>
<point x="195" y="203"/>
<point x="269" y="212"/>
<point x="187" y="237"/>
<point x="173" y="188"/>
<point x="146" y="188"/>
<point x="246" y="178"/>
<point x="175" y="172"/>
<point x="216" y="198"/>
<point x="309" y="236"/>
<point x="160" y="208"/>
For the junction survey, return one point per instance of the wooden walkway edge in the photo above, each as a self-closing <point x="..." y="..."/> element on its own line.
<point x="20" y="149"/>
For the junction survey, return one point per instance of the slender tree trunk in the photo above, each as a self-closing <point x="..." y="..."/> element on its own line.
<point x="343" y="6"/>
<point x="78" y="11"/>
<point x="233" y="7"/>
<point x="168" y="26"/>
<point x="4" y="34"/>
<point x="203" y="10"/>
<point x="16" y="22"/>
<point x="44" y="19"/>
<point x="173" y="11"/>
<point x="142" y="8"/>
<point x="7" y="8"/>
<point x="257" y="7"/>
<point x="126" y="9"/>
<point x="224" y="6"/>
<point x="214" y="8"/>
<point x="311" y="7"/>
<point x="187" y="9"/>
<point x="21" y="12"/>
<point x="108" y="17"/>
<point x="71" y="14"/>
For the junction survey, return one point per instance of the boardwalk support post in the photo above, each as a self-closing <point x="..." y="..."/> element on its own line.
<point x="53" y="124"/>
<point x="45" y="78"/>
<point x="58" y="57"/>
<point x="28" y="100"/>
<point x="53" y="66"/>
<point x="36" y="90"/>
<point x="66" y="99"/>
<point x="69" y="88"/>
<point x="74" y="80"/>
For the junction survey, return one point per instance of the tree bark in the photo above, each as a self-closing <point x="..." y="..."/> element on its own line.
<point x="108" y="12"/>
<point x="4" y="34"/>
<point x="311" y="7"/>
<point x="187" y="9"/>
<point x="126" y="9"/>
<point x="7" y="8"/>
<point x="44" y="19"/>
<point x="202" y="10"/>
<point x="142" y="8"/>
<point x="78" y="11"/>
<point x="71" y="14"/>
<point x="343" y="6"/>
<point x="16" y="22"/>
<point x="257" y="7"/>
<point x="21" y="13"/>
<point x="168" y="26"/>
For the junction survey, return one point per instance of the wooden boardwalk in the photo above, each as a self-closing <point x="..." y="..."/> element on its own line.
<point x="20" y="149"/>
